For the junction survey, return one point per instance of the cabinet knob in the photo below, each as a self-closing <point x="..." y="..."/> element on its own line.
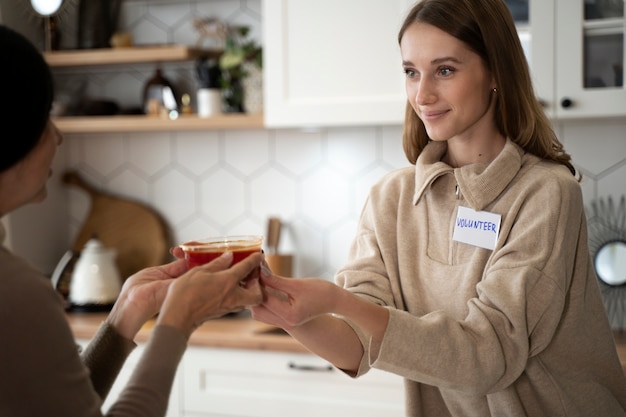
<point x="566" y="103"/>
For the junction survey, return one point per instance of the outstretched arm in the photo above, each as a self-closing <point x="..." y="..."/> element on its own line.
<point x="307" y="309"/>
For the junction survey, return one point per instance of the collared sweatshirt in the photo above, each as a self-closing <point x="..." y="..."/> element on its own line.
<point x="42" y="373"/>
<point x="519" y="330"/>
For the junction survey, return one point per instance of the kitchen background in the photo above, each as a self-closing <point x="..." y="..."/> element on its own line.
<point x="230" y="181"/>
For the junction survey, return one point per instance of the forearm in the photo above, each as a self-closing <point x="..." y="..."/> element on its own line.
<point x="370" y="317"/>
<point x="332" y="339"/>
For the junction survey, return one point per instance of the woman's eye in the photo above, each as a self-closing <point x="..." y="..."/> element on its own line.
<point x="446" y="71"/>
<point x="410" y="73"/>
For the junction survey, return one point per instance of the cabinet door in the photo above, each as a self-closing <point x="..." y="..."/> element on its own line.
<point x="534" y="20"/>
<point x="590" y="58"/>
<point x="247" y="383"/>
<point x="329" y="62"/>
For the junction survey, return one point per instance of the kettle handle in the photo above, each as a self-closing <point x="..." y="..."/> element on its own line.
<point x="60" y="268"/>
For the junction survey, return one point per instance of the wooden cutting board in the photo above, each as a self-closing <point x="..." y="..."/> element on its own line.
<point x="137" y="232"/>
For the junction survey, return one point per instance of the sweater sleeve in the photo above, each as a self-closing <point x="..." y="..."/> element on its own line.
<point x="104" y="356"/>
<point x="40" y="367"/>
<point x="148" y="389"/>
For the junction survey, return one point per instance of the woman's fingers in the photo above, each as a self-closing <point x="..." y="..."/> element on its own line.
<point x="269" y="279"/>
<point x="177" y="252"/>
<point x="248" y="267"/>
<point x="250" y="293"/>
<point x="174" y="268"/>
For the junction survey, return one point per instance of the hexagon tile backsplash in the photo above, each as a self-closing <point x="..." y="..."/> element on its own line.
<point x="231" y="182"/>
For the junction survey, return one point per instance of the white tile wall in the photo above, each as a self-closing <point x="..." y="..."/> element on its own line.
<point x="224" y="182"/>
<point x="230" y="182"/>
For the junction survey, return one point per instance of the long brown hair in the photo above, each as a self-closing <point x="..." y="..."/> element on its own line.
<point x="487" y="27"/>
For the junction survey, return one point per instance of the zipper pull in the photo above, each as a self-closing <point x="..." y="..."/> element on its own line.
<point x="457" y="192"/>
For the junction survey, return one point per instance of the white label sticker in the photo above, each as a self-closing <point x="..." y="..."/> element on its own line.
<point x="478" y="228"/>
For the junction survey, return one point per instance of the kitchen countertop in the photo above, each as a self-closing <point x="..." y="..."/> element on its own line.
<point x="237" y="331"/>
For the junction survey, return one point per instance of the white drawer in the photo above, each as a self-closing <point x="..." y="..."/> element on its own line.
<point x="228" y="382"/>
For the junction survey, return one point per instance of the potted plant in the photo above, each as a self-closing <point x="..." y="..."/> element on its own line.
<point x="241" y="64"/>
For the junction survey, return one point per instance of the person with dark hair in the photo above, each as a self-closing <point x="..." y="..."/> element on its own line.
<point x="41" y="371"/>
<point x="470" y="274"/>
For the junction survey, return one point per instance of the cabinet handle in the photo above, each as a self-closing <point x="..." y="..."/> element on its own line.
<point x="566" y="103"/>
<point x="313" y="368"/>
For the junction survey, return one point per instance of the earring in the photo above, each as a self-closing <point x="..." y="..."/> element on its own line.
<point x="495" y="90"/>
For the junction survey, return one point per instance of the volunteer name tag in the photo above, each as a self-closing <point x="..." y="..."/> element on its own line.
<point x="478" y="228"/>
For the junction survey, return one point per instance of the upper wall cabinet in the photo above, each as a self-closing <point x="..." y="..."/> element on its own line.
<point x="535" y="26"/>
<point x="575" y="49"/>
<point x="590" y="58"/>
<point x="329" y="62"/>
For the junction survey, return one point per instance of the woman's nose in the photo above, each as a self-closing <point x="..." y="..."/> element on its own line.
<point x="425" y="93"/>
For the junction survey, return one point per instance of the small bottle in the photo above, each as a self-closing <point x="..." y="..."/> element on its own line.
<point x="186" y="104"/>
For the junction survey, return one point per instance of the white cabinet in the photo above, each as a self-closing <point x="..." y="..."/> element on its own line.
<point x="246" y="383"/>
<point x="575" y="49"/>
<point x="338" y="63"/>
<point x="329" y="62"/>
<point x="590" y="58"/>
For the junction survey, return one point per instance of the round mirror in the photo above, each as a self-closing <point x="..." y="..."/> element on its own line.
<point x="610" y="263"/>
<point x="46" y="7"/>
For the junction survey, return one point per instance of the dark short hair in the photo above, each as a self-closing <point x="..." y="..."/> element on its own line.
<point x="27" y="94"/>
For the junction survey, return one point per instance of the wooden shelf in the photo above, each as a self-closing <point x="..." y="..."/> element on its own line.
<point x="117" y="124"/>
<point x="133" y="55"/>
<point x="141" y="123"/>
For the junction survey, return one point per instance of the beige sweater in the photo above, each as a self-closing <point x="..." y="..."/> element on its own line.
<point x="41" y="372"/>
<point x="517" y="331"/>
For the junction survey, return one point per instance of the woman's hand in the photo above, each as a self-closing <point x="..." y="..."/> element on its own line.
<point x="141" y="297"/>
<point x="301" y="306"/>
<point x="210" y="291"/>
<point x="291" y="302"/>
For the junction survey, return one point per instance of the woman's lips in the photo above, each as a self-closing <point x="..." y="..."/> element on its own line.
<point x="433" y="115"/>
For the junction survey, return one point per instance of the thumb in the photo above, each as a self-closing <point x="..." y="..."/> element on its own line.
<point x="251" y="294"/>
<point x="220" y="263"/>
<point x="174" y="268"/>
<point x="270" y="279"/>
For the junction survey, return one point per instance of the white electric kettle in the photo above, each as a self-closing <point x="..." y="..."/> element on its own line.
<point x="95" y="280"/>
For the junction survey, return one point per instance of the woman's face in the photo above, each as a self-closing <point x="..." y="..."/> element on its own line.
<point x="25" y="182"/>
<point x="447" y="84"/>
